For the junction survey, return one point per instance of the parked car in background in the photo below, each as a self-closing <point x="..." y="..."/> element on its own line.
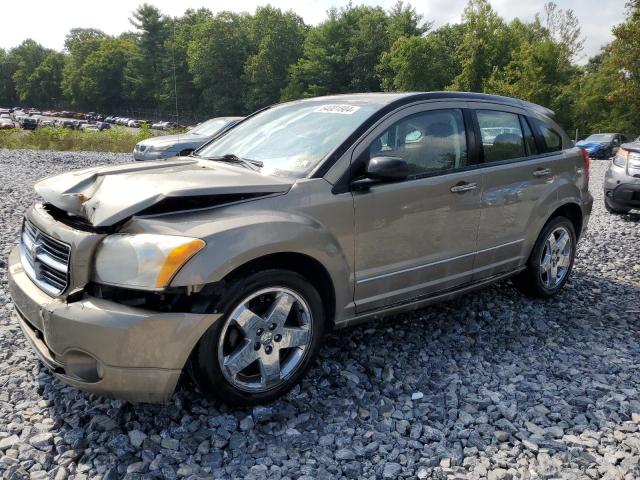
<point x="307" y="216"/>
<point x="66" y="123"/>
<point x="133" y="123"/>
<point x="622" y="179"/>
<point x="5" y="111"/>
<point x="47" y="123"/>
<point x="602" y="145"/>
<point x="89" y="127"/>
<point x="33" y="111"/>
<point x="6" y="122"/>
<point x="165" y="125"/>
<point x="102" y="126"/>
<point x="28" y="123"/>
<point x="166" y="146"/>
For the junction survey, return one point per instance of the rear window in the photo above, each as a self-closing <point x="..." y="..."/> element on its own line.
<point x="552" y="141"/>
<point x="501" y="134"/>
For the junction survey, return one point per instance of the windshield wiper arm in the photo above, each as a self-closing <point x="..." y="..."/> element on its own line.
<point x="232" y="158"/>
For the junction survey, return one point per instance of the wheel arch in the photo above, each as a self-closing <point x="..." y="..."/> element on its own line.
<point x="573" y="212"/>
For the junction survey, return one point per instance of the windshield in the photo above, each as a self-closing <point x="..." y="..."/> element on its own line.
<point x="600" y="137"/>
<point x="291" y="139"/>
<point x="209" y="127"/>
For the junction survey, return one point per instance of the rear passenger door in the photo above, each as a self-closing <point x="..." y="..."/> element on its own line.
<point x="518" y="176"/>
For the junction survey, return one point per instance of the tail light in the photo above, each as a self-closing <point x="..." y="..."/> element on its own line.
<point x="587" y="165"/>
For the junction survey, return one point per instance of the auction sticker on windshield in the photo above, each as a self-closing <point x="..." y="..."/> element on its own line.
<point x="336" y="108"/>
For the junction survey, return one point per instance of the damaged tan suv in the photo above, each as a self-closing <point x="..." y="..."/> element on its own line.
<point x="232" y="264"/>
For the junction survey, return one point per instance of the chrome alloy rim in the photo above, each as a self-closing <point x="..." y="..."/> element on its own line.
<point x="556" y="257"/>
<point x="265" y="339"/>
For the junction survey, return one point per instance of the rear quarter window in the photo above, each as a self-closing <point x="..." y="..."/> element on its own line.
<point x="551" y="139"/>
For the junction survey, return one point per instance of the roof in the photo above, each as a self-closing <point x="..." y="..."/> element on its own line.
<point x="383" y="99"/>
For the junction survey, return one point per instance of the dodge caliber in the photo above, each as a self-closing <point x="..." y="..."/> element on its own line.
<point x="230" y="265"/>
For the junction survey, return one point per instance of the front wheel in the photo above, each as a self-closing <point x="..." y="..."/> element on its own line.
<point x="551" y="260"/>
<point x="266" y="340"/>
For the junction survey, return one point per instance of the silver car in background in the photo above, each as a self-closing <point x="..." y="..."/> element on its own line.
<point x="622" y="180"/>
<point x="182" y="144"/>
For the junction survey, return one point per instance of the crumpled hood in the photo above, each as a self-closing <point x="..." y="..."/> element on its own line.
<point x="163" y="141"/>
<point x="107" y="195"/>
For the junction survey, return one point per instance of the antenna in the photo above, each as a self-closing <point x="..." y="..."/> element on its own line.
<point x="173" y="61"/>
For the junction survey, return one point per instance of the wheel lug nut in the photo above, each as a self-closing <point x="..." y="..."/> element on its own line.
<point x="277" y="337"/>
<point x="272" y="326"/>
<point x="256" y="346"/>
<point x="259" y="332"/>
<point x="268" y="349"/>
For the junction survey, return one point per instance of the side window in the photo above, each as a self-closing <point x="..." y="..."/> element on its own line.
<point x="501" y="135"/>
<point x="429" y="142"/>
<point x="552" y="139"/>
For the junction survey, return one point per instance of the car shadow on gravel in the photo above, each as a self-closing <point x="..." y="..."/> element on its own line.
<point x="490" y="368"/>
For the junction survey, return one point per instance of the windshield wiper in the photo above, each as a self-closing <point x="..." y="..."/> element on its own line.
<point x="232" y="158"/>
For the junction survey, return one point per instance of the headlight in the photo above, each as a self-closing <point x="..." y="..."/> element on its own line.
<point x="620" y="160"/>
<point x="158" y="148"/>
<point x="144" y="261"/>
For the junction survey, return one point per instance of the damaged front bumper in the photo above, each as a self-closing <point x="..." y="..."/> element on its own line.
<point x="105" y="347"/>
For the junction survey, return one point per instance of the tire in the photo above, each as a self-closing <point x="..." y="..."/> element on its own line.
<point x="535" y="281"/>
<point x="615" y="210"/>
<point x="244" y="333"/>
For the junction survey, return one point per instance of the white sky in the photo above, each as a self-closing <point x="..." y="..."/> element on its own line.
<point x="48" y="21"/>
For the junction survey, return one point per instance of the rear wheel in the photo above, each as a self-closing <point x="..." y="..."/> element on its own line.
<point x="551" y="260"/>
<point x="613" y="209"/>
<point x="266" y="340"/>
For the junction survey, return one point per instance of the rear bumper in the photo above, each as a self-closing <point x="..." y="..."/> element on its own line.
<point x="104" y="347"/>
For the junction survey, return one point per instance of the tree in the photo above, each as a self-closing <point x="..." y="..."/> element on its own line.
<point x="28" y="56"/>
<point x="480" y="50"/>
<point x="147" y="66"/>
<point x="341" y="54"/>
<point x="8" y="67"/>
<point x="44" y="84"/>
<point x="80" y="43"/>
<point x="216" y="57"/>
<point x="420" y="63"/>
<point x="405" y="21"/>
<point x="276" y="41"/>
<point x="564" y="27"/>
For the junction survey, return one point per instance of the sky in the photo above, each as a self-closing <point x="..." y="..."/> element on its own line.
<point x="47" y="22"/>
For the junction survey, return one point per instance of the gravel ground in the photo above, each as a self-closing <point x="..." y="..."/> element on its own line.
<point x="492" y="385"/>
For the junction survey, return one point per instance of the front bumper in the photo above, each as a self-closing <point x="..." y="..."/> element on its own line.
<point x="104" y="347"/>
<point x="625" y="195"/>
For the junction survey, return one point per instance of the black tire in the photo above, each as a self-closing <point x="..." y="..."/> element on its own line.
<point x="206" y="366"/>
<point x="530" y="280"/>
<point x="615" y="210"/>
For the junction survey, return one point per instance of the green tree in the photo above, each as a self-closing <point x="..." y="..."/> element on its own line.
<point x="481" y="48"/>
<point x="276" y="40"/>
<point x="44" y="84"/>
<point x="341" y="54"/>
<point x="216" y="56"/>
<point x="8" y="68"/>
<point x="405" y="21"/>
<point x="147" y="67"/>
<point x="79" y="43"/>
<point x="28" y="56"/>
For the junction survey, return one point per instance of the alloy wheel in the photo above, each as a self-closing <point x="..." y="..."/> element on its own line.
<point x="265" y="339"/>
<point x="556" y="257"/>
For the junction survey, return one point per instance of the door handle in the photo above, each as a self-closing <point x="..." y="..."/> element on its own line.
<point x="463" y="187"/>
<point x="542" y="172"/>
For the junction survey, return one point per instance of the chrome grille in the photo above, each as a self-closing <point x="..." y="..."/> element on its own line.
<point x="44" y="259"/>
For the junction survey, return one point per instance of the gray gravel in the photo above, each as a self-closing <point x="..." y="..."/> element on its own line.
<point x="492" y="385"/>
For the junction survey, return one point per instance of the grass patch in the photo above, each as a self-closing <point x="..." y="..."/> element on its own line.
<point x="116" y="139"/>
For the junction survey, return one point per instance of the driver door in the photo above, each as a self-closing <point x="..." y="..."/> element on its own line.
<point x="418" y="236"/>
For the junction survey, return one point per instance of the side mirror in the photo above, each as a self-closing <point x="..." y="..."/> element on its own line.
<point x="387" y="169"/>
<point x="380" y="170"/>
